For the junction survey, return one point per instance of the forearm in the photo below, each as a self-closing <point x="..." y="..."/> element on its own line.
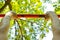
<point x="54" y="19"/>
<point x="6" y="21"/>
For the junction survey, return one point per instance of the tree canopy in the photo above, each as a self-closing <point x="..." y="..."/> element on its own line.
<point x="28" y="28"/>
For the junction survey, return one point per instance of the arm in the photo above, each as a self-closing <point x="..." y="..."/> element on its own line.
<point x="5" y="23"/>
<point x="54" y="19"/>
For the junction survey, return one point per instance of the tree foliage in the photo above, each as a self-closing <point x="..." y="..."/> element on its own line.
<point x="28" y="28"/>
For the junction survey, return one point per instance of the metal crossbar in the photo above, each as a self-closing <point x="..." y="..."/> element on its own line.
<point x="29" y="15"/>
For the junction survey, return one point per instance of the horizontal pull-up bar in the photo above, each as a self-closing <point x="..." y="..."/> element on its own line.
<point x="29" y="15"/>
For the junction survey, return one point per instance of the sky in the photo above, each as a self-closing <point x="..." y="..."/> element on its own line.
<point x="49" y="36"/>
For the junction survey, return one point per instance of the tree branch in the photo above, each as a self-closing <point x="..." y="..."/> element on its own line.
<point x="7" y="2"/>
<point x="3" y="7"/>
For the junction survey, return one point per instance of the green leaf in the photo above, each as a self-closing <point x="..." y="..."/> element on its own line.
<point x="11" y="23"/>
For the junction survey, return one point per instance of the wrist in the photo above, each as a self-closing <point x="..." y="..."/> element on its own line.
<point x="8" y="14"/>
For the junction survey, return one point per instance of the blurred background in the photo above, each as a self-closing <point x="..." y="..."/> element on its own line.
<point x="30" y="28"/>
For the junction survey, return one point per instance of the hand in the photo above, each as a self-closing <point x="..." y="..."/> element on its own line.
<point x="47" y="15"/>
<point x="12" y="14"/>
